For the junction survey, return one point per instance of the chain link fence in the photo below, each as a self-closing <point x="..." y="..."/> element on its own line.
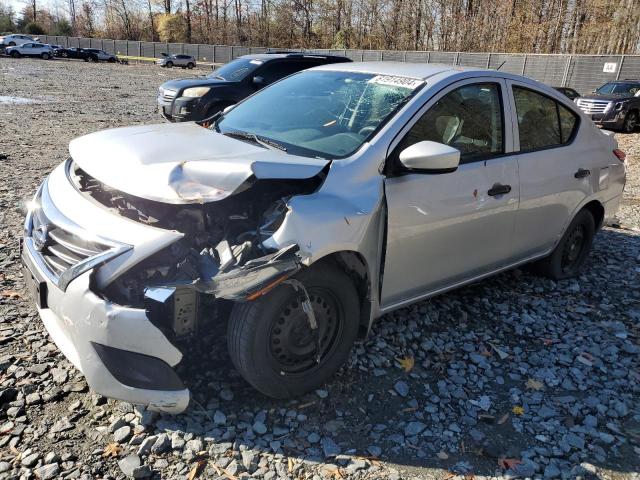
<point x="582" y="72"/>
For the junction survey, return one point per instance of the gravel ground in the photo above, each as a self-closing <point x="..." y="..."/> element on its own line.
<point x="514" y="376"/>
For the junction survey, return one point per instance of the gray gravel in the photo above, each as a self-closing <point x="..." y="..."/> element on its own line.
<point x="514" y="376"/>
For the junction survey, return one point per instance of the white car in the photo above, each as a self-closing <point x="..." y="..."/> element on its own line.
<point x="311" y="208"/>
<point x="31" y="50"/>
<point x="184" y="61"/>
<point x="16" y="39"/>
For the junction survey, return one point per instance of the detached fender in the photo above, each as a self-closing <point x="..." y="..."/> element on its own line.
<point x="325" y="223"/>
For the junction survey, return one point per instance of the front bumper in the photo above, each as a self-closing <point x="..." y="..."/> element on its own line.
<point x="614" y="119"/>
<point x="181" y="109"/>
<point x="96" y="335"/>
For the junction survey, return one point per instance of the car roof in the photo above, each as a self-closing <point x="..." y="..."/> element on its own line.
<point x="403" y="69"/>
<point x="274" y="55"/>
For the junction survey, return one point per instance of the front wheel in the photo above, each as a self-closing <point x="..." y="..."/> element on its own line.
<point x="271" y="342"/>
<point x="12" y="44"/>
<point x="631" y="122"/>
<point x="15" y="54"/>
<point x="169" y="64"/>
<point x="571" y="253"/>
<point x="45" y="56"/>
<point x="190" y="65"/>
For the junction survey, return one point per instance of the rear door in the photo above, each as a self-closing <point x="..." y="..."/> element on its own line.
<point x="555" y="171"/>
<point x="446" y="228"/>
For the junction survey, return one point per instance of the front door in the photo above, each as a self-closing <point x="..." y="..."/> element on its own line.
<point x="448" y="227"/>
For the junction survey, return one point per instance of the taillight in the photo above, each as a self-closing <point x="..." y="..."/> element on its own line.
<point x="620" y="154"/>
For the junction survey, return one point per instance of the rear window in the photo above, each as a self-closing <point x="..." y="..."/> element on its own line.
<point x="542" y="122"/>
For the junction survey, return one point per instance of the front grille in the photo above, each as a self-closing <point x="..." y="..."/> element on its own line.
<point x="60" y="249"/>
<point x="592" y="106"/>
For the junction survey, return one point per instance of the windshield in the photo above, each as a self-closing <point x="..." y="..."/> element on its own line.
<point x="619" y="89"/>
<point x="321" y="113"/>
<point x="236" y="70"/>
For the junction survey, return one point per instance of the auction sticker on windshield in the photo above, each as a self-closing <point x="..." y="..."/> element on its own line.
<point x="394" y="81"/>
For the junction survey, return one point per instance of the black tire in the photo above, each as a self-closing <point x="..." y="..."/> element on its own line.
<point x="571" y="253"/>
<point x="15" y="54"/>
<point x="64" y="54"/>
<point x="631" y="122"/>
<point x="86" y="59"/>
<point x="169" y="64"/>
<point x="12" y="44"/>
<point x="45" y="56"/>
<point x="111" y="60"/>
<point x="190" y="65"/>
<point x="271" y="344"/>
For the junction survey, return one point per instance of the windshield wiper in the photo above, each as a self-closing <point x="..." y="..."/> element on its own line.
<point x="265" y="142"/>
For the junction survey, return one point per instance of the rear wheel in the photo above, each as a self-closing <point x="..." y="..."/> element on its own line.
<point x="169" y="64"/>
<point x="190" y="65"/>
<point x="112" y="60"/>
<point x="12" y="44"/>
<point x="570" y="255"/>
<point x="631" y="122"/>
<point x="272" y="344"/>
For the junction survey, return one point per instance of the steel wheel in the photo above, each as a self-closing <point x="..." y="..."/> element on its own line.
<point x="573" y="249"/>
<point x="293" y="343"/>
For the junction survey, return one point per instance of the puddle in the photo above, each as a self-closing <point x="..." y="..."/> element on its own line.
<point x="6" y="100"/>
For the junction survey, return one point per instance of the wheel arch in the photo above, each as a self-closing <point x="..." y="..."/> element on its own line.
<point x="597" y="211"/>
<point x="355" y="266"/>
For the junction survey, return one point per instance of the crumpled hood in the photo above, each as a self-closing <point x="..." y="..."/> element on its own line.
<point x="182" y="83"/>
<point x="182" y="162"/>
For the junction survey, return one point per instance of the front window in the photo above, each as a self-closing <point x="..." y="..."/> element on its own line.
<point x="622" y="89"/>
<point x="321" y="113"/>
<point x="236" y="70"/>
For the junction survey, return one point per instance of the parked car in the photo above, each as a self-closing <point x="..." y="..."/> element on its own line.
<point x="79" y="53"/>
<point x="309" y="209"/>
<point x="97" y="55"/>
<point x="615" y="105"/>
<point x="568" y="92"/>
<point x="184" y="61"/>
<point x="31" y="50"/>
<point x="197" y="99"/>
<point x="16" y="39"/>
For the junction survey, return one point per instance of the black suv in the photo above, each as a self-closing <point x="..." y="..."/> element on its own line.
<point x="615" y="105"/>
<point x="196" y="99"/>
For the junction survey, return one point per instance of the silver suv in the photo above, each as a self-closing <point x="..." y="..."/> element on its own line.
<point x="311" y="208"/>
<point x="184" y="61"/>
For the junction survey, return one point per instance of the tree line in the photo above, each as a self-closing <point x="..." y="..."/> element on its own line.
<point x="531" y="26"/>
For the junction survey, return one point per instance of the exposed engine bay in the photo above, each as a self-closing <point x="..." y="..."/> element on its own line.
<point x="220" y="256"/>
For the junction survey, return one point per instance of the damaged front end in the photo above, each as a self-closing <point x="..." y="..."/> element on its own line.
<point x="221" y="255"/>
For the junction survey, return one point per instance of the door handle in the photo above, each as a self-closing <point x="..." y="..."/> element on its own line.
<point x="581" y="173"/>
<point x="499" y="189"/>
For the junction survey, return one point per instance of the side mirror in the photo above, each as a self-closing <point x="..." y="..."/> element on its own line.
<point x="431" y="157"/>
<point x="226" y="109"/>
<point x="258" y="81"/>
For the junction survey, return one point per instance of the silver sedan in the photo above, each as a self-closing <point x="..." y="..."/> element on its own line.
<point x="310" y="209"/>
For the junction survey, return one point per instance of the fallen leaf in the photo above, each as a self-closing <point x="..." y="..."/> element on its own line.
<point x="508" y="463"/>
<point x="534" y="384"/>
<point x="197" y="469"/>
<point x="501" y="353"/>
<point x="10" y="294"/>
<point x="290" y="464"/>
<point x="442" y="455"/>
<point x="517" y="410"/>
<point x="112" y="450"/>
<point x="503" y="418"/>
<point x="222" y="471"/>
<point x="407" y="363"/>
